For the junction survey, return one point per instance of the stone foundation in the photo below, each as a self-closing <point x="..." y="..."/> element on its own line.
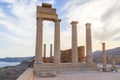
<point x="62" y="67"/>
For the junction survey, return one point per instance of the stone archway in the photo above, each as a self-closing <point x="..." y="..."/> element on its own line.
<point x="46" y="12"/>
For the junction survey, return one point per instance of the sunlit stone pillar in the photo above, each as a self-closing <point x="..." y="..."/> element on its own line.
<point x="89" y="57"/>
<point x="44" y="50"/>
<point x="74" y="42"/>
<point x="103" y="55"/>
<point x="50" y="50"/>
<point x="39" y="40"/>
<point x="57" y="42"/>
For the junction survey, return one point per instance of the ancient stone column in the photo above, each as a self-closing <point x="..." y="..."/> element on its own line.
<point x="44" y="50"/>
<point x="39" y="40"/>
<point x="57" y="42"/>
<point x="103" y="55"/>
<point x="74" y="42"/>
<point x="50" y="50"/>
<point x="89" y="57"/>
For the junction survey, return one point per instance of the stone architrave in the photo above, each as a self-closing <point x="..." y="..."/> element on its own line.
<point x="39" y="40"/>
<point x="74" y="42"/>
<point x="57" y="42"/>
<point x="103" y="55"/>
<point x="50" y="50"/>
<point x="44" y="50"/>
<point x="46" y="12"/>
<point x="89" y="57"/>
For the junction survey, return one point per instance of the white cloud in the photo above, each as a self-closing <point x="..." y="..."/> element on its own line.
<point x="20" y="29"/>
<point x="103" y="14"/>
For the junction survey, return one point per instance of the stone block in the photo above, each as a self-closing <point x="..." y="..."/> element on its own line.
<point x="114" y="69"/>
<point x="47" y="74"/>
<point x="104" y="69"/>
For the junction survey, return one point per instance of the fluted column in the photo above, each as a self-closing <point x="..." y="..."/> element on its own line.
<point x="89" y="57"/>
<point x="103" y="55"/>
<point x="50" y="50"/>
<point x="39" y="40"/>
<point x="57" y="42"/>
<point x="74" y="42"/>
<point x="44" y="50"/>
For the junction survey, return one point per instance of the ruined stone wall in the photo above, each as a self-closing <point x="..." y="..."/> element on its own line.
<point x="117" y="59"/>
<point x="66" y="56"/>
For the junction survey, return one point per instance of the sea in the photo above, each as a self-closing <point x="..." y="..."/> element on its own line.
<point x="4" y="64"/>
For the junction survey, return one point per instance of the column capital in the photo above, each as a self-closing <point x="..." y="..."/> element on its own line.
<point x="50" y="44"/>
<point x="88" y="25"/>
<point x="41" y="18"/>
<point x="103" y="43"/>
<point x="74" y="22"/>
<point x="57" y="20"/>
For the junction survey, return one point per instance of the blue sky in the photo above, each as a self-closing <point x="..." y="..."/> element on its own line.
<point x="18" y="24"/>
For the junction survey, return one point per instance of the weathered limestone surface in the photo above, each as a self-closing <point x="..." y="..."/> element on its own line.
<point x="57" y="42"/>
<point x="39" y="40"/>
<point x="103" y="55"/>
<point x="46" y="12"/>
<point x="44" y="50"/>
<point x="81" y="54"/>
<point x="50" y="50"/>
<point x="27" y="75"/>
<point x="74" y="42"/>
<point x="65" y="67"/>
<point x="89" y="57"/>
<point x="85" y="76"/>
<point x="66" y="55"/>
<point x="46" y="74"/>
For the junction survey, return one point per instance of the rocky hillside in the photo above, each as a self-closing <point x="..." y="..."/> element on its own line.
<point x="14" y="59"/>
<point x="97" y="55"/>
<point x="13" y="72"/>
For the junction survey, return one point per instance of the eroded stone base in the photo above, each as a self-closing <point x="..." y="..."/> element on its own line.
<point x="51" y="69"/>
<point x="110" y="69"/>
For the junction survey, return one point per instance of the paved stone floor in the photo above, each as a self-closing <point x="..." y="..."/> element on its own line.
<point x="85" y="76"/>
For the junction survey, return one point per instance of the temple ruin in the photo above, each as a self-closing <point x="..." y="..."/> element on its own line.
<point x="46" y="12"/>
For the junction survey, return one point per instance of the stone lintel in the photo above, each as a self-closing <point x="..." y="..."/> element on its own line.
<point x="46" y="10"/>
<point x="49" y="17"/>
<point x="46" y="5"/>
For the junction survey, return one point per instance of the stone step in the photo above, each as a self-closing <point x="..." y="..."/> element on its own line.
<point x="66" y="69"/>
